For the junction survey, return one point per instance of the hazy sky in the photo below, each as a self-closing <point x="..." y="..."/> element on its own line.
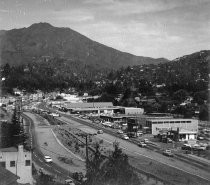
<point x="154" y="28"/>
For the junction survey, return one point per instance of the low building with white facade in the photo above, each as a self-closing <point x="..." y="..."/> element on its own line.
<point x="19" y="162"/>
<point x="186" y="128"/>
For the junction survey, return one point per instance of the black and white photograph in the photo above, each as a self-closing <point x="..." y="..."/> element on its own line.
<point x="104" y="92"/>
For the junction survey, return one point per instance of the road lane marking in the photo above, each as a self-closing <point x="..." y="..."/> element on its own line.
<point x="35" y="155"/>
<point x="48" y="165"/>
<point x="40" y="160"/>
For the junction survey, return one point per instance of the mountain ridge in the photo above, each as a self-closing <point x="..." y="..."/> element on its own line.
<point x="24" y="45"/>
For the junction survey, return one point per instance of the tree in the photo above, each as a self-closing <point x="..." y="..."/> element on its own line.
<point x="180" y="95"/>
<point x="6" y="136"/>
<point x="114" y="170"/>
<point x="204" y="114"/>
<point x="17" y="134"/>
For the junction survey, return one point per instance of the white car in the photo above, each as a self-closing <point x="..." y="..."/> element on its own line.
<point x="47" y="159"/>
<point x="146" y="141"/>
<point x="69" y="182"/>
<point x="120" y="132"/>
<point x="55" y="115"/>
<point x="142" y="144"/>
<point x="125" y="137"/>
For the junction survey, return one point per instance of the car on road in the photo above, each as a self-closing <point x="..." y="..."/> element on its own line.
<point x="124" y="136"/>
<point x="146" y="141"/>
<point x="168" y="153"/>
<point x="120" y="132"/>
<point x="69" y="182"/>
<point x="100" y="132"/>
<point x="47" y="159"/>
<point x="139" y="133"/>
<point x="55" y="114"/>
<point x="142" y="144"/>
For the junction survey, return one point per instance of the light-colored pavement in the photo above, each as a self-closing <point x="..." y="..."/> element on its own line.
<point x="49" y="145"/>
<point x="134" y="150"/>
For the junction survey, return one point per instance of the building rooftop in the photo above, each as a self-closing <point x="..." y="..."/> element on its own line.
<point x="7" y="177"/>
<point x="10" y="149"/>
<point x="168" y="118"/>
<point x="89" y="105"/>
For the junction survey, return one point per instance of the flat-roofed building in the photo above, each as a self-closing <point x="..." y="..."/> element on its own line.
<point x="91" y="107"/>
<point x="187" y="128"/>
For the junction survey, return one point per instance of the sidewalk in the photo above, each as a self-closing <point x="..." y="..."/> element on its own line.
<point x="49" y="145"/>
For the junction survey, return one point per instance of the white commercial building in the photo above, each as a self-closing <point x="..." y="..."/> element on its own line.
<point x="19" y="162"/>
<point x="187" y="128"/>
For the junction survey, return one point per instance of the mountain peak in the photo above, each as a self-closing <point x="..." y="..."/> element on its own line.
<point x="41" y="25"/>
<point x="43" y="39"/>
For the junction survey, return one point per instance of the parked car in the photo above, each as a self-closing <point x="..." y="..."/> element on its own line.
<point x="47" y="159"/>
<point x="186" y="147"/>
<point x="142" y="144"/>
<point x="100" y="132"/>
<point x="168" y="153"/>
<point x="120" y="132"/>
<point x="169" y="140"/>
<point x="197" y="147"/>
<point x="55" y="115"/>
<point x="200" y="138"/>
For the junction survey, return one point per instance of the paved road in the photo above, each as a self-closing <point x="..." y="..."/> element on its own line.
<point x="134" y="150"/>
<point x="42" y="134"/>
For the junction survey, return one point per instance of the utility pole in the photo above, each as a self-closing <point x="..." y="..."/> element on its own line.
<point x="86" y="143"/>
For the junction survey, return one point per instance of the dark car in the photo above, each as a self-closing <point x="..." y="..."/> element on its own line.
<point x="186" y="147"/>
<point x="78" y="176"/>
<point x="100" y="132"/>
